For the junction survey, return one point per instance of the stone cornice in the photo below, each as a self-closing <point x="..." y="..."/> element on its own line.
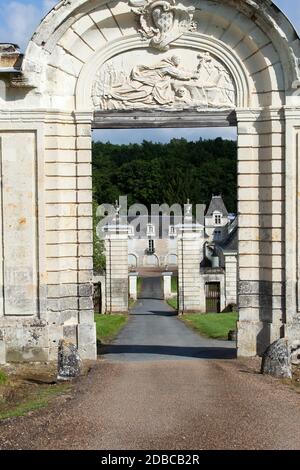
<point x="37" y="115"/>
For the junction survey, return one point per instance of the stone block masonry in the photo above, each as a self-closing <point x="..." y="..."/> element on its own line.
<point x="237" y="67"/>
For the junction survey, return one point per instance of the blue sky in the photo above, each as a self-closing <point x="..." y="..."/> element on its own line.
<point x="19" y="19"/>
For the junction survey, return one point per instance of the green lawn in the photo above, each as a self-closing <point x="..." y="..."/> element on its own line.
<point x="108" y="326"/>
<point x="36" y="400"/>
<point x="132" y="302"/>
<point x="212" y="325"/>
<point x="3" y="378"/>
<point x="174" y="286"/>
<point x="173" y="303"/>
<point x="28" y="389"/>
<point x="139" y="284"/>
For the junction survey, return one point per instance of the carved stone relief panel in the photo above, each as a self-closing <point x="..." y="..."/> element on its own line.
<point x="163" y="21"/>
<point x="174" y="80"/>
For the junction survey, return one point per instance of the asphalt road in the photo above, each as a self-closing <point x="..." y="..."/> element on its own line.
<point x="163" y="387"/>
<point x="156" y="333"/>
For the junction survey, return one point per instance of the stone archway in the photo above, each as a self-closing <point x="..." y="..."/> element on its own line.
<point x="49" y="105"/>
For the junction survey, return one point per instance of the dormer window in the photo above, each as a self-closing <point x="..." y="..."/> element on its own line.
<point x="218" y="219"/>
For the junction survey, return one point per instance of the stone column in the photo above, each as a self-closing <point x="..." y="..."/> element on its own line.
<point x="167" y="280"/>
<point x="292" y="214"/>
<point x="190" y="241"/>
<point x="133" y="277"/>
<point x="261" y="194"/>
<point x="116" y="248"/>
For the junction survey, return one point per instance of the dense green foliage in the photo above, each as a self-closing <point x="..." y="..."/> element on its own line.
<point x="155" y="173"/>
<point x="98" y="244"/>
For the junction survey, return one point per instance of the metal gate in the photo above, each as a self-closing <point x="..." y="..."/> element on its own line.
<point x="212" y="294"/>
<point x="97" y="297"/>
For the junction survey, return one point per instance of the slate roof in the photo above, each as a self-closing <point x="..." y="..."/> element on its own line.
<point x="216" y="204"/>
<point x="231" y="242"/>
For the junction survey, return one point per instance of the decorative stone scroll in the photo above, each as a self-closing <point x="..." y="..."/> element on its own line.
<point x="162" y="21"/>
<point x="187" y="79"/>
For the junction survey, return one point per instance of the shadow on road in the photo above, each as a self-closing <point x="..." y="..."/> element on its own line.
<point x="160" y="313"/>
<point x="192" y="352"/>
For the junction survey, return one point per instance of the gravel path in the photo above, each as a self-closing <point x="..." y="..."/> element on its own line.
<point x="165" y="405"/>
<point x="161" y="386"/>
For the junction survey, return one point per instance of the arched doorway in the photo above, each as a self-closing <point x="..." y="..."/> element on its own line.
<point x="132" y="260"/>
<point x="151" y="261"/>
<point x="226" y="65"/>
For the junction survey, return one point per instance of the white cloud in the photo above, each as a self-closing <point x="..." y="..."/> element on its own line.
<point x="21" y="20"/>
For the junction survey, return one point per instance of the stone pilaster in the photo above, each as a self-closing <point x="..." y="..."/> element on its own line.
<point x="292" y="211"/>
<point x="167" y="281"/>
<point x="69" y="238"/>
<point x="261" y="262"/>
<point x="133" y="277"/>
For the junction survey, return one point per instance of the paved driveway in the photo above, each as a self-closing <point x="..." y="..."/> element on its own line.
<point x="154" y="332"/>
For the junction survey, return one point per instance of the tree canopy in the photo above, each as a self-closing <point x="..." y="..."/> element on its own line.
<point x="156" y="173"/>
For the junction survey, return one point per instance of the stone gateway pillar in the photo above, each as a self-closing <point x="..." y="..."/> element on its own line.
<point x="233" y="64"/>
<point x="47" y="234"/>
<point x="116" y="278"/>
<point x="190" y="242"/>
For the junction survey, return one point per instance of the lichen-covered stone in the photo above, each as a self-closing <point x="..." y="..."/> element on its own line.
<point x="69" y="362"/>
<point x="276" y="360"/>
<point x="295" y="353"/>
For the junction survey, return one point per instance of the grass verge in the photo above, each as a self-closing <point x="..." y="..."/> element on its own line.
<point x="3" y="378"/>
<point x="132" y="302"/>
<point x="174" y="284"/>
<point x="28" y="387"/>
<point x="173" y="303"/>
<point x="139" y="284"/>
<point x="212" y="325"/>
<point x="108" y="326"/>
<point x="33" y="398"/>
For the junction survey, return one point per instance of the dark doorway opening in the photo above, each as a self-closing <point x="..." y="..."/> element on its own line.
<point x="212" y="294"/>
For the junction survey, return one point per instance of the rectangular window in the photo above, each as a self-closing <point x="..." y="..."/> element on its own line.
<point x="150" y="230"/>
<point x="218" y="234"/>
<point x="218" y="219"/>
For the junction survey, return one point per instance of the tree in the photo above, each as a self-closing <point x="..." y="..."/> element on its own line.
<point x="98" y="244"/>
<point x="155" y="173"/>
